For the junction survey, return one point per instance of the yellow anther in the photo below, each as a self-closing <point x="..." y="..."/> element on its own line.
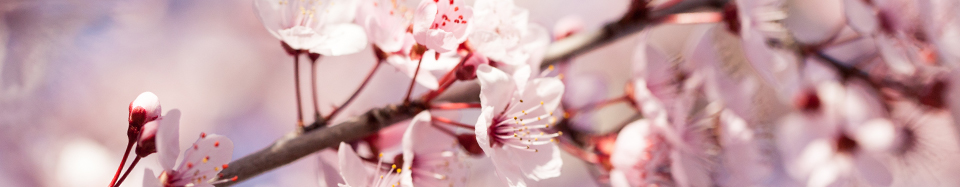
<point x="381" y="155"/>
<point x="541" y="133"/>
<point x="398" y="170"/>
<point x="514" y="117"/>
<point x="528" y="147"/>
<point x="538" y="118"/>
<point x="381" y="176"/>
<point x="547" y="126"/>
<point x="541" y="102"/>
<point x="560" y="133"/>
<point x="536" y="150"/>
<point x="550" y="68"/>
<point x="536" y="139"/>
<point x="514" y="134"/>
<point x="216" y="168"/>
<point x="551" y="140"/>
<point x="205" y="159"/>
<point x="521" y="100"/>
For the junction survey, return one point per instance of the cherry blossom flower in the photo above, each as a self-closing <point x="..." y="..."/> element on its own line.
<point x="838" y="140"/>
<point x="325" y="28"/>
<point x="442" y="25"/>
<point x="759" y="25"/>
<point x="430" y="155"/>
<point x="512" y="124"/>
<point x="386" y="24"/>
<point x="200" y="165"/>
<point x="641" y="155"/>
<point x="355" y="173"/>
<point x="502" y="32"/>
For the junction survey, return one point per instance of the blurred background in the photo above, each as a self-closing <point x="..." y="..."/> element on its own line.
<point x="70" y="68"/>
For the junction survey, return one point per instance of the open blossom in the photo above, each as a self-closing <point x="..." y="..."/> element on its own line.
<point x="512" y="124"/>
<point x="442" y="25"/>
<point x="837" y="137"/>
<point x="200" y="165"/>
<point x="386" y="23"/>
<point x="502" y="32"/>
<point x="323" y="27"/>
<point x="430" y="155"/>
<point x="641" y="155"/>
<point x="356" y="174"/>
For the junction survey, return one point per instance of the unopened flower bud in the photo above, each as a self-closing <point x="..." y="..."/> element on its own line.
<point x="468" y="71"/>
<point x="144" y="109"/>
<point x="146" y="143"/>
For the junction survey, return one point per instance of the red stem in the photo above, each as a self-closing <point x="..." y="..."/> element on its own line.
<point x="296" y="84"/>
<point x="355" y="93"/>
<point x="454" y="106"/>
<point x="413" y="81"/>
<point x="122" y="162"/>
<point x="600" y="104"/>
<point x="135" y="160"/>
<point x="445" y="82"/>
<point x="313" y="85"/>
<point x="451" y="122"/>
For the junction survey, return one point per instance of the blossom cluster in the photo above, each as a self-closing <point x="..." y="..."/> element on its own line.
<point x="751" y="97"/>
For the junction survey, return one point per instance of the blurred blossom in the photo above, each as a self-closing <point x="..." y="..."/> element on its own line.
<point x="386" y="23"/>
<point x="838" y="141"/>
<point x="320" y="27"/>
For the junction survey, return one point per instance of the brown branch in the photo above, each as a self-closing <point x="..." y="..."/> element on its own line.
<point x="292" y="147"/>
<point x="583" y="42"/>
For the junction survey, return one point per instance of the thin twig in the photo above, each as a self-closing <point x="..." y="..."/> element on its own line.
<point x="355" y="93"/>
<point x="134" y="163"/>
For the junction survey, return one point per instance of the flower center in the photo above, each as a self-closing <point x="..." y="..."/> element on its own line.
<point x="521" y="130"/>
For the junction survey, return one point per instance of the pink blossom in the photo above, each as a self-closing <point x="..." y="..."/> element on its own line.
<point x="839" y="140"/>
<point x="641" y="155"/>
<point x="430" y="155"/>
<point x="200" y="165"/>
<point x="320" y="27"/>
<point x="512" y="124"/>
<point x="442" y="25"/>
<point x="386" y="24"/>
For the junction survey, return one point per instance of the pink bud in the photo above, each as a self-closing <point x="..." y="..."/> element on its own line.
<point x="468" y="71"/>
<point x="144" y="109"/>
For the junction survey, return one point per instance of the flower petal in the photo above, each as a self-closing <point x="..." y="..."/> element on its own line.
<point x="340" y="39"/>
<point x="351" y="167"/>
<point x="496" y="87"/>
<point x="205" y="158"/>
<point x="168" y="139"/>
<point x="150" y="180"/>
